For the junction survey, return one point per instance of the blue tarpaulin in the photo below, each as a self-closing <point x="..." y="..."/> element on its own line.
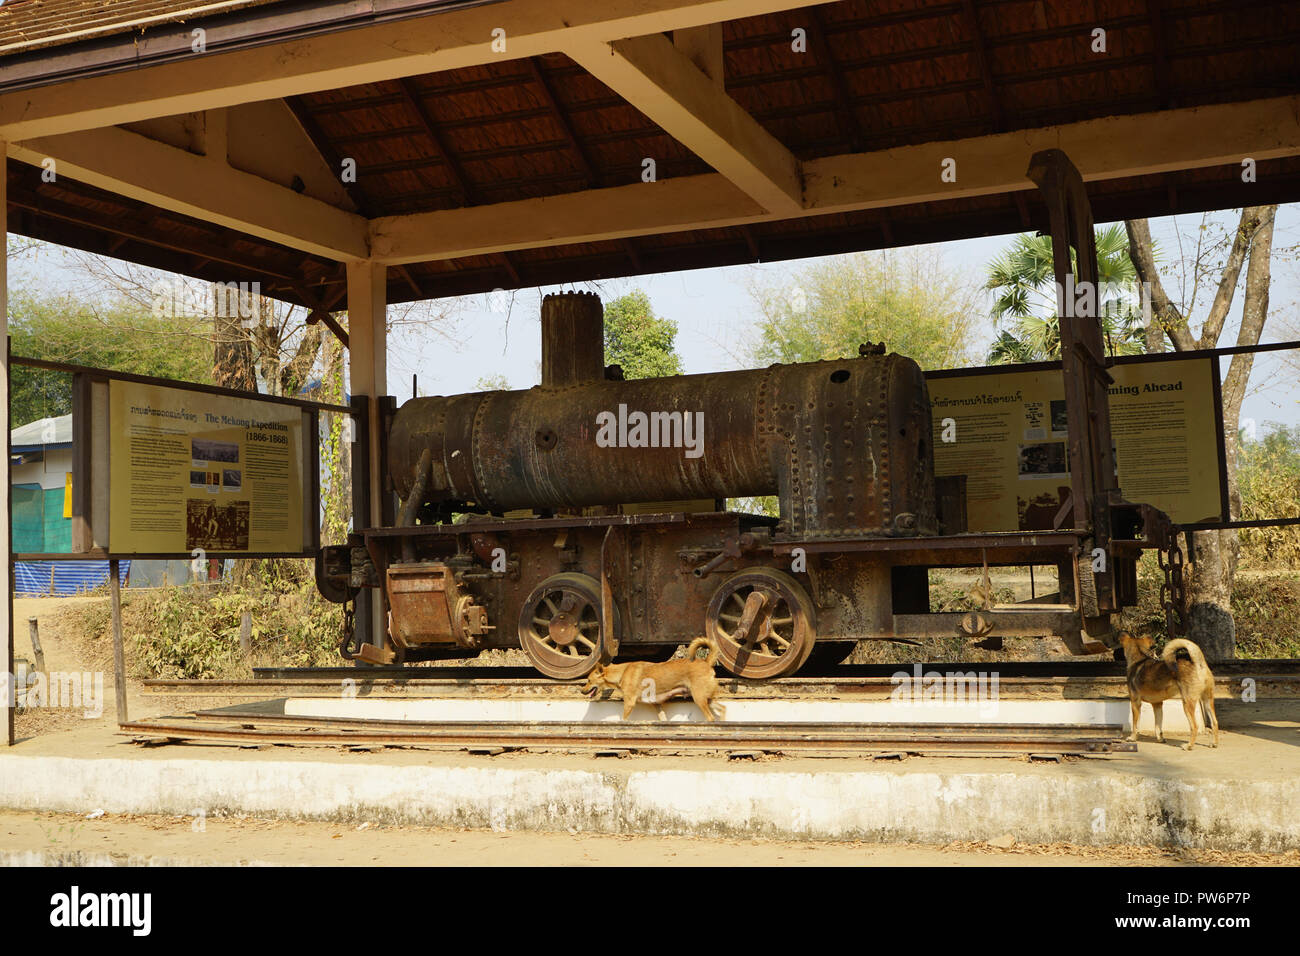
<point x="64" y="577"/>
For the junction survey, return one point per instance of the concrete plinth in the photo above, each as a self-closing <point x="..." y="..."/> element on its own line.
<point x="1242" y="796"/>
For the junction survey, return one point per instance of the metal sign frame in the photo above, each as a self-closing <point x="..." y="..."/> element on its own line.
<point x="85" y="378"/>
<point x="1217" y="375"/>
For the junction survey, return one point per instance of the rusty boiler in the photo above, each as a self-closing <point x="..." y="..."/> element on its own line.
<point x="583" y="519"/>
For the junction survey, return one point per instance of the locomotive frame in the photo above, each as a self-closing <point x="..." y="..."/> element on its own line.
<point x="582" y="584"/>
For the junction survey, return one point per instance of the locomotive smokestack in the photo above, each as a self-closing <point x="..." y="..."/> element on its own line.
<point x="573" y="339"/>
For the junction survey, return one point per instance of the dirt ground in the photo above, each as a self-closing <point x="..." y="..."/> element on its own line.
<point x="246" y="840"/>
<point x="66" y="651"/>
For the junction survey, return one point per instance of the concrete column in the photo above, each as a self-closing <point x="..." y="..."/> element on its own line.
<point x="368" y="374"/>
<point x="6" y="578"/>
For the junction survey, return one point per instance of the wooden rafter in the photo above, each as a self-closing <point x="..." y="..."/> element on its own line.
<point x="1160" y="61"/>
<point x="1111" y="148"/>
<point x="661" y="81"/>
<point x="129" y="228"/>
<point x="328" y="154"/>
<point x="152" y="172"/>
<point x="845" y="114"/>
<point x="972" y="18"/>
<point x="429" y="126"/>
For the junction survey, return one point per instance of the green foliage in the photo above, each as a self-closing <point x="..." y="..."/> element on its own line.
<point x="492" y="383"/>
<point x="1265" y="606"/>
<point x="120" y="336"/>
<point x="638" y="340"/>
<point x="757" y="505"/>
<point x="1268" y="480"/>
<point x="909" y="301"/>
<point x="949" y="596"/>
<point x="1023" y="281"/>
<point x="193" y="631"/>
<point x="335" y="452"/>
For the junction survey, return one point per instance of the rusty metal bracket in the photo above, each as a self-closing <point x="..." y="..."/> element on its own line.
<point x="613" y="554"/>
<point x="732" y="547"/>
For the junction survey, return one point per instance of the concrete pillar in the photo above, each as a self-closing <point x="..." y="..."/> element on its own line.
<point x="6" y="579"/>
<point x="368" y="375"/>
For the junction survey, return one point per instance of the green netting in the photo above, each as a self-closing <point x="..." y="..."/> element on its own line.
<point x="29" y="518"/>
<point x="58" y="529"/>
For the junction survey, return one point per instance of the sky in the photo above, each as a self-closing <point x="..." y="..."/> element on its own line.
<point x="714" y="316"/>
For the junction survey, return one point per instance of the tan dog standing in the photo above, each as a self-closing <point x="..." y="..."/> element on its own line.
<point x="1179" y="671"/>
<point x="655" y="683"/>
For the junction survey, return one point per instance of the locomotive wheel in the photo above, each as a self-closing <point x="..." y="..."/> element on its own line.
<point x="559" y="626"/>
<point x="782" y="632"/>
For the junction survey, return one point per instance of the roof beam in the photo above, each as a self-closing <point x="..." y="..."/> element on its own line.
<point x="670" y="205"/>
<point x="165" y="78"/>
<point x="662" y="82"/>
<point x="126" y="228"/>
<point x="328" y="154"/>
<point x="703" y="47"/>
<point x="206" y="188"/>
<point x="1111" y="148"/>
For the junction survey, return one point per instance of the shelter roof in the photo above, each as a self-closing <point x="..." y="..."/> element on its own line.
<point x="872" y="79"/>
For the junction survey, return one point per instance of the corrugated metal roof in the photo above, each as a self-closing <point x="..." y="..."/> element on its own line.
<point x="43" y="432"/>
<point x="29" y="24"/>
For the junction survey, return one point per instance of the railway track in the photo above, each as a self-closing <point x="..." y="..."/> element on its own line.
<point x="262" y="721"/>
<point x="1274" y="666"/>
<point x="230" y="727"/>
<point x="1017" y="680"/>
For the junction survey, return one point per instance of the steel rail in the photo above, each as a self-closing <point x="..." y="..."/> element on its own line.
<point x="812" y="688"/>
<point x="1005" y="669"/>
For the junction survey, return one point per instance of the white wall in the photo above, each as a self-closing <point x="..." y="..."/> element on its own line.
<point x="50" y="473"/>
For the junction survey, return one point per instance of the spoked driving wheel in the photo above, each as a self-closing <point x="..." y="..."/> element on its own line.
<point x="763" y="622"/>
<point x="559" y="625"/>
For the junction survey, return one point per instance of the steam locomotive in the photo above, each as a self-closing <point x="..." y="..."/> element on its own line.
<point x="582" y="520"/>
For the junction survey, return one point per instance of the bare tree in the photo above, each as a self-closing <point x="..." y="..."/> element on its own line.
<point x="1214" y="553"/>
<point x="18" y="246"/>
<point x="263" y="344"/>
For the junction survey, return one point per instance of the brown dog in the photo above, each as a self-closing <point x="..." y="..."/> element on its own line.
<point x="651" y="683"/>
<point x="1179" y="671"/>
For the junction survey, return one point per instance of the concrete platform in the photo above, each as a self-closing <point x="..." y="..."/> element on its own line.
<point x="1243" y="796"/>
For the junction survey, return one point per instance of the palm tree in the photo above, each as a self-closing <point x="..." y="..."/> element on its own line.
<point x="1025" y="307"/>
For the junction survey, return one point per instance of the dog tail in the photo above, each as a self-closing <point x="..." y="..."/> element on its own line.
<point x="699" y="642"/>
<point x="1182" y="650"/>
